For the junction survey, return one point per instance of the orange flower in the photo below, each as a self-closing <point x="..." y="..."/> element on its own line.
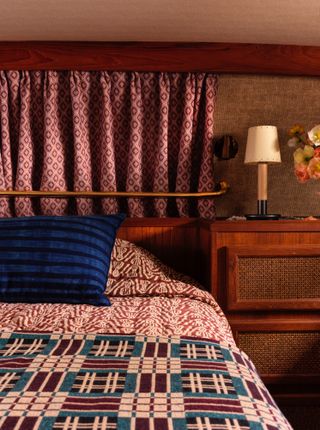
<point x="301" y="172"/>
<point x="314" y="168"/>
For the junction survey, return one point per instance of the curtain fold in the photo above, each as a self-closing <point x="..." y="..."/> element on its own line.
<point x="53" y="177"/>
<point x="107" y="131"/>
<point x="160" y="180"/>
<point x="26" y="153"/>
<point x="136" y="145"/>
<point x="107" y="149"/>
<point x="5" y="155"/>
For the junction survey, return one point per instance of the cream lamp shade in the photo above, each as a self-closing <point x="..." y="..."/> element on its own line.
<point x="262" y="145"/>
<point x="262" y="149"/>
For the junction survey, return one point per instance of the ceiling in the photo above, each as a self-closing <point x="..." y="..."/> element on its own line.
<point x="249" y="21"/>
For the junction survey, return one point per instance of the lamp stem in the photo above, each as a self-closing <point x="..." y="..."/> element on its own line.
<point x="262" y="188"/>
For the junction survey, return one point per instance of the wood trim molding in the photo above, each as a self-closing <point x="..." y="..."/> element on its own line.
<point x="302" y="394"/>
<point x="160" y="222"/>
<point x="293" y="225"/>
<point x="161" y="57"/>
<point x="277" y="322"/>
<point x="311" y="379"/>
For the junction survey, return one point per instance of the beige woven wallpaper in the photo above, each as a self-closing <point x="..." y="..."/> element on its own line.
<point x="247" y="100"/>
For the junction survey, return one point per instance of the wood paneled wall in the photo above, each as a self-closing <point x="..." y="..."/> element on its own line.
<point x="175" y="241"/>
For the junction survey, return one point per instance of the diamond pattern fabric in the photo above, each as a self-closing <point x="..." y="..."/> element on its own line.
<point x="106" y="131"/>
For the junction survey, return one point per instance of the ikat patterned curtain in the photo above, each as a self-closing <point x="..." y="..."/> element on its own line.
<point x="106" y="131"/>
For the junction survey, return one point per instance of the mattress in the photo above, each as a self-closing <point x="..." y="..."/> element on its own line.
<point x="162" y="356"/>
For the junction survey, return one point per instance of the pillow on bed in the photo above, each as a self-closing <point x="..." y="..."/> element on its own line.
<point x="134" y="270"/>
<point x="56" y="259"/>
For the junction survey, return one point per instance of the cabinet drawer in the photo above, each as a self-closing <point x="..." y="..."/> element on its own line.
<point x="287" y="355"/>
<point x="261" y="277"/>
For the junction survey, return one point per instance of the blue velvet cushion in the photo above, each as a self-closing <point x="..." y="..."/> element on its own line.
<point x="56" y="259"/>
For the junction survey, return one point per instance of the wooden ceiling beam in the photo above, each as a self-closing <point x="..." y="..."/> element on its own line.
<point x="162" y="57"/>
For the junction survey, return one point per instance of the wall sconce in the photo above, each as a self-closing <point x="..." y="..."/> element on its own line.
<point x="226" y="147"/>
<point x="262" y="149"/>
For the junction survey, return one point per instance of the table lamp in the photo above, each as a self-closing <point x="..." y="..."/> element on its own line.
<point x="262" y="149"/>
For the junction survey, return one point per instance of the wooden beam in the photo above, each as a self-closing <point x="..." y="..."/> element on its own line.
<point x="161" y="57"/>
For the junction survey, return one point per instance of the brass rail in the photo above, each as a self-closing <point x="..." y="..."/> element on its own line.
<point x="221" y="189"/>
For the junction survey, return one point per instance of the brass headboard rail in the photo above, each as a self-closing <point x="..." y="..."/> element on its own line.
<point x="221" y="189"/>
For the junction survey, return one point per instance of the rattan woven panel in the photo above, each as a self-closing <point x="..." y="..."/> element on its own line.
<point x="279" y="277"/>
<point x="283" y="353"/>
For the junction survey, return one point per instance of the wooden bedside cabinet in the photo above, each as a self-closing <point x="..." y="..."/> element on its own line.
<point x="266" y="277"/>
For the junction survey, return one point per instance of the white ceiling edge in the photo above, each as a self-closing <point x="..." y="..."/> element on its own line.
<point x="289" y="22"/>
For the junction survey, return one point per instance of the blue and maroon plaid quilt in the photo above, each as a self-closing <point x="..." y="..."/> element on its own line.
<point x="129" y="382"/>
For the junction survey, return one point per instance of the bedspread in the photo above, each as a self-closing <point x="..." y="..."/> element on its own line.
<point x="105" y="382"/>
<point x="157" y="309"/>
<point x="147" y="297"/>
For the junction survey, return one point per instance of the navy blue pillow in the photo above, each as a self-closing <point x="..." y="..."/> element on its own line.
<point x="56" y="259"/>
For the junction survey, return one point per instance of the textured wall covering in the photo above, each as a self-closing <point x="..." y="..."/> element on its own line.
<point x="244" y="101"/>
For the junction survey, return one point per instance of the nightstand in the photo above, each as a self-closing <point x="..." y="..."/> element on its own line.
<point x="266" y="277"/>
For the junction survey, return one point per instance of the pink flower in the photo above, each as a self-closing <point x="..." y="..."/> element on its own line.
<point x="301" y="172"/>
<point x="316" y="152"/>
<point x="314" y="168"/>
<point x="293" y="142"/>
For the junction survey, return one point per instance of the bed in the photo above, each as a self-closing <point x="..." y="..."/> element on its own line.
<point x="162" y="356"/>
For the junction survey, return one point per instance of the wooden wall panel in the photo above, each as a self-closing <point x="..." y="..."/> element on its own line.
<point x="175" y="241"/>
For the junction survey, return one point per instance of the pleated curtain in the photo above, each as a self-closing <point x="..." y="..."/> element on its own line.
<point x="106" y="131"/>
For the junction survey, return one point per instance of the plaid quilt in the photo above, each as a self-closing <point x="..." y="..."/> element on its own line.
<point x="129" y="382"/>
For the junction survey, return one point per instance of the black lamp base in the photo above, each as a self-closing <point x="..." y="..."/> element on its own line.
<point x="255" y="217"/>
<point x="262" y="209"/>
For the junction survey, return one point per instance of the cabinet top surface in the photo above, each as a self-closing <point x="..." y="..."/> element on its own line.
<point x="287" y="225"/>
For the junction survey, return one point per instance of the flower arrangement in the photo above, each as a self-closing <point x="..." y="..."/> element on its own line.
<point x="307" y="153"/>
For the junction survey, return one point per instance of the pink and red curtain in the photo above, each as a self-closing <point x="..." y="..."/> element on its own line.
<point x="106" y="131"/>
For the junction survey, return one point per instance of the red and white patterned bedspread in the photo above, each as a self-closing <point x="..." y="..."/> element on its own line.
<point x="147" y="298"/>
